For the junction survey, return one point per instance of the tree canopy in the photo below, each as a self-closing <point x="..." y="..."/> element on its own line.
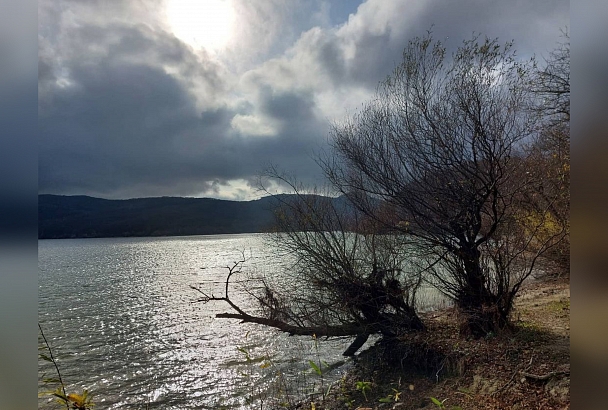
<point x="436" y="185"/>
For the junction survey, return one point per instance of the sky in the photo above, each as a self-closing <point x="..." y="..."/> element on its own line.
<point x="147" y="98"/>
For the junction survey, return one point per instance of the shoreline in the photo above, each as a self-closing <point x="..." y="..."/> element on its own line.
<point x="525" y="367"/>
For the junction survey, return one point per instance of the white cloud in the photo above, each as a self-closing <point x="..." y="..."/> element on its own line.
<point x="253" y="126"/>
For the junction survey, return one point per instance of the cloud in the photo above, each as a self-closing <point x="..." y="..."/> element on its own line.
<point x="127" y="110"/>
<point x="125" y="125"/>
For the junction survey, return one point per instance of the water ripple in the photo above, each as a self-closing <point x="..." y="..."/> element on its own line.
<point x="119" y="316"/>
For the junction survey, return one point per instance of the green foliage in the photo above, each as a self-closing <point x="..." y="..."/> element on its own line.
<point x="316" y="368"/>
<point x="246" y="353"/>
<point x="441" y="404"/>
<point x="393" y="397"/>
<point x="364" y="387"/>
<point x="280" y="397"/>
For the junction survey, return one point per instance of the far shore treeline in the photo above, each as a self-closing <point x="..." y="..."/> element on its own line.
<point x="87" y="217"/>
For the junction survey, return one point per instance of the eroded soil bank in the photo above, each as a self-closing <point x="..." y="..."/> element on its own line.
<point x="525" y="368"/>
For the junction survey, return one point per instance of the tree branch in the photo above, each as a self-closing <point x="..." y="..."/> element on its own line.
<point x="545" y="376"/>
<point x="350" y="329"/>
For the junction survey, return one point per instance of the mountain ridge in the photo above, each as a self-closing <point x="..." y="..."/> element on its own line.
<point x="81" y="216"/>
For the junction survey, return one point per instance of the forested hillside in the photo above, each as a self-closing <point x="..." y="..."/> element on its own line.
<point x="87" y="217"/>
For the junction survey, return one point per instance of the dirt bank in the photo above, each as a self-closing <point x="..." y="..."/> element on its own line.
<point x="525" y="368"/>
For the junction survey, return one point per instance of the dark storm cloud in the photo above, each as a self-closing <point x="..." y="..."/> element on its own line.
<point x="128" y="125"/>
<point x="128" y="110"/>
<point x="128" y="128"/>
<point x="299" y="135"/>
<point x="119" y="120"/>
<point x="288" y="106"/>
<point x="101" y="131"/>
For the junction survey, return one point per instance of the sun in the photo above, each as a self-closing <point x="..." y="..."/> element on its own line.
<point x="201" y="23"/>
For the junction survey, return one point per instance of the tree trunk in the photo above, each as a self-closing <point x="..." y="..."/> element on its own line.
<point x="481" y="310"/>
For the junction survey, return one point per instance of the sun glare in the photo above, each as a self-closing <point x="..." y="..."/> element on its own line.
<point x="201" y="23"/>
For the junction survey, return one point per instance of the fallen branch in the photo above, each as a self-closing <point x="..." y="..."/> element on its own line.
<point x="347" y="329"/>
<point x="351" y="329"/>
<point x="277" y="316"/>
<point x="544" y="376"/>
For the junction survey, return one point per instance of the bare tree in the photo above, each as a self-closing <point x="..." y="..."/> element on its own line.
<point x="438" y="149"/>
<point x="549" y="154"/>
<point x="345" y="279"/>
<point x="551" y="83"/>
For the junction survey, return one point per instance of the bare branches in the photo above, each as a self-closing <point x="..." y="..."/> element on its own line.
<point x="438" y="148"/>
<point x="433" y="180"/>
<point x="552" y="84"/>
<point x="327" y="331"/>
<point x="345" y="279"/>
<point x="235" y="268"/>
<point x="549" y="154"/>
<point x="346" y="329"/>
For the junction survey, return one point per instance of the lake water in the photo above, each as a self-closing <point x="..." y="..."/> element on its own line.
<point x="120" y="317"/>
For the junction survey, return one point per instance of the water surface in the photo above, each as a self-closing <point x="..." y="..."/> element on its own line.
<point x="120" y="316"/>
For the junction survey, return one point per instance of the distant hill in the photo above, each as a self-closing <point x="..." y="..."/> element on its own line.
<point x="87" y="217"/>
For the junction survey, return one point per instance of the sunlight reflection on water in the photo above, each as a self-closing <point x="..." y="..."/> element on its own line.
<point x="119" y="314"/>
